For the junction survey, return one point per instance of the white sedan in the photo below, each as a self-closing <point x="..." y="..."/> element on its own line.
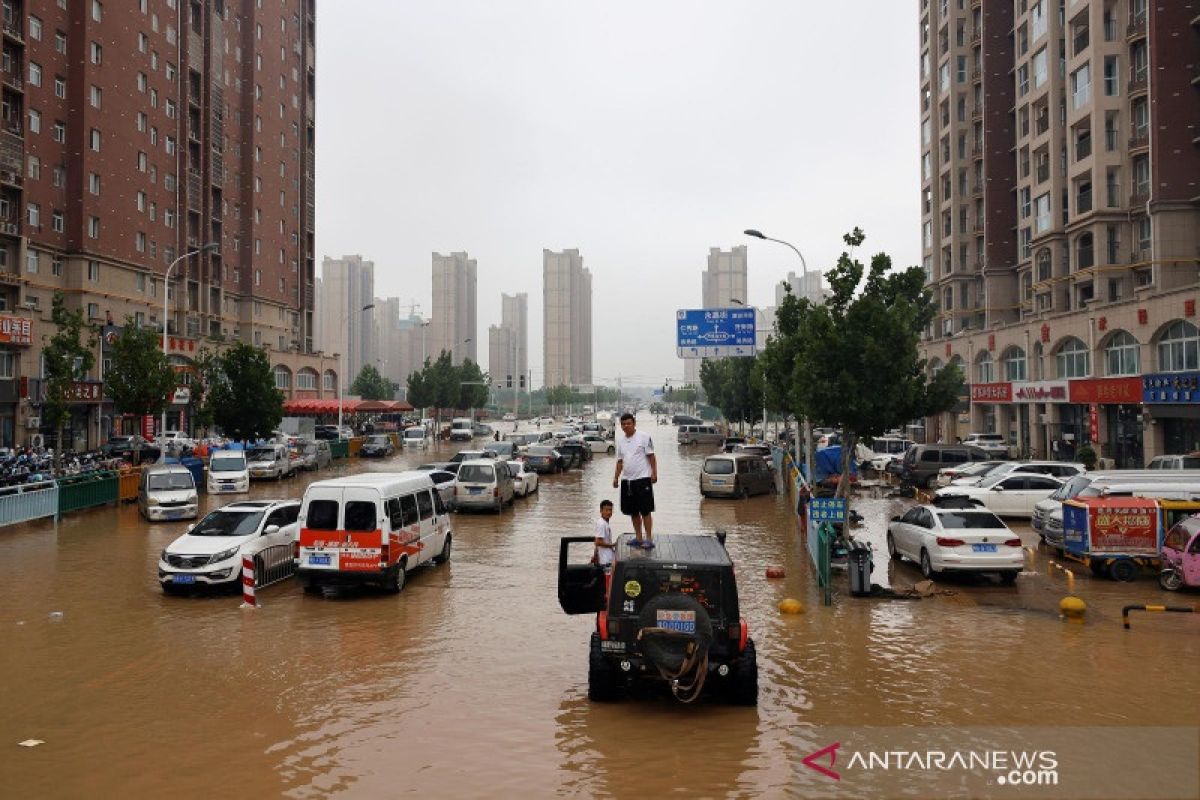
<point x="956" y="539"/>
<point x="211" y="551"/>
<point x="598" y="444"/>
<point x="1057" y="469"/>
<point x="1007" y="495"/>
<point x="525" y="480"/>
<point x="977" y="470"/>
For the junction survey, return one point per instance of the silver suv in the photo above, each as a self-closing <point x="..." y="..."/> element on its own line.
<point x="991" y="443"/>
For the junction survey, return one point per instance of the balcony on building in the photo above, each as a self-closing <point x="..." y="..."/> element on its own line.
<point x="1137" y="26"/>
<point x="1138" y="82"/>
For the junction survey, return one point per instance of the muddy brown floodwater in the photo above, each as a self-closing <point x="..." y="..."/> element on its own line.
<point x="472" y="682"/>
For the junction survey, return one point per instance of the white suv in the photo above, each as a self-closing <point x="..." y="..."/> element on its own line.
<point x="991" y="443"/>
<point x="211" y="551"/>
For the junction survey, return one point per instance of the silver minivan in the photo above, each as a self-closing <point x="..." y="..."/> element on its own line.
<point x="700" y="434"/>
<point x="736" y="475"/>
<point x="167" y="492"/>
<point x="483" y="483"/>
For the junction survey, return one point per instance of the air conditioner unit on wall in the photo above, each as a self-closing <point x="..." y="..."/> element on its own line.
<point x="33" y="423"/>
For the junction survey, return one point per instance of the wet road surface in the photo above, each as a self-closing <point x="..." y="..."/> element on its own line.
<point x="472" y="682"/>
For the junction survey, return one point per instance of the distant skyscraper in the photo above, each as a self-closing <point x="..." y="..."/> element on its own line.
<point x="512" y="357"/>
<point x="454" y="307"/>
<point x="808" y="286"/>
<point x="346" y="285"/>
<point x="723" y="280"/>
<point x="567" y="316"/>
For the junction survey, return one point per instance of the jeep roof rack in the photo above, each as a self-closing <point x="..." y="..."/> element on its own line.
<point x="676" y="548"/>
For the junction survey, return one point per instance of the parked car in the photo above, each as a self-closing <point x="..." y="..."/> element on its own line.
<point x="326" y="432"/>
<point x="314" y="455"/>
<point x="228" y="472"/>
<point x="972" y="469"/>
<point x="956" y="539"/>
<point x="377" y="446"/>
<point x="575" y="453"/>
<point x="443" y="484"/>
<point x="922" y="462"/>
<point x="730" y="442"/>
<point x="415" y="437"/>
<point x="270" y="461"/>
<point x="885" y="448"/>
<point x="483" y="483"/>
<point x="993" y="444"/>
<point x="176" y="440"/>
<point x="167" y="492"/>
<point x="544" y="459"/>
<point x="699" y="434"/>
<point x="1190" y="461"/>
<point x="598" y="444"/>
<point x="1008" y="495"/>
<point x="525" y="479"/>
<point x="504" y="450"/>
<point x="125" y="447"/>
<point x="445" y="466"/>
<point x="467" y="455"/>
<point x="211" y="551"/>
<point x="753" y="449"/>
<point x="1059" y="469"/>
<point x="686" y="419"/>
<point x="736" y="475"/>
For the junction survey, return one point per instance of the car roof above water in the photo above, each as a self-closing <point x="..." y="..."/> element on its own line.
<point x="675" y="549"/>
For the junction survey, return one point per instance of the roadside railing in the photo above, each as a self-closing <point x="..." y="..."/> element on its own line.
<point x="27" y="502"/>
<point x="273" y="565"/>
<point x="87" y="490"/>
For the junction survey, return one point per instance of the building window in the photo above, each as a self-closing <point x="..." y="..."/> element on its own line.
<point x="1081" y="86"/>
<point x="97" y="10"/>
<point x="35" y="168"/>
<point x="57" y="221"/>
<point x="1041" y="206"/>
<point x="1039" y="68"/>
<point x="56" y="264"/>
<point x="141" y="82"/>
<point x="35" y="74"/>
<point x="305" y="379"/>
<point x="31" y="261"/>
<point x="34" y="212"/>
<point x="60" y="132"/>
<point x="35" y="28"/>
<point x="94" y="266"/>
<point x="93" y="311"/>
<point x="96" y="52"/>
<point x="1014" y="364"/>
<point x="60" y="87"/>
<point x="1121" y="357"/>
<point x="141" y="162"/>
<point x="35" y="121"/>
<point x="1179" y="347"/>
<point x="96" y="96"/>
<point x="1073" y="359"/>
<point x="257" y="282"/>
<point x="328" y="381"/>
<point x="93" y="227"/>
<point x="140" y="281"/>
<point x="985" y="368"/>
<point x="60" y="42"/>
<point x="58" y="177"/>
<point x="93" y="183"/>
<point x="7" y="362"/>
<point x="94" y="140"/>
<point x="139" y="242"/>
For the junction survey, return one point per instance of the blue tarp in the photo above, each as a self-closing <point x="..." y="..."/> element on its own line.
<point x="827" y="462"/>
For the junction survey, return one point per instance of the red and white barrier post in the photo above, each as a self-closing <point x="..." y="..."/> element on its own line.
<point x="248" y="599"/>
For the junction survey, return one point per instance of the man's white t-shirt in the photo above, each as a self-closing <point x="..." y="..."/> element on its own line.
<point x="632" y="451"/>
<point x="604" y="555"/>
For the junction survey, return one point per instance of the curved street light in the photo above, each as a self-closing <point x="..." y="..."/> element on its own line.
<point x="342" y="378"/>
<point x="166" y="294"/>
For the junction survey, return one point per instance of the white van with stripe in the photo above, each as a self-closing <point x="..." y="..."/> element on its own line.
<point x="371" y="528"/>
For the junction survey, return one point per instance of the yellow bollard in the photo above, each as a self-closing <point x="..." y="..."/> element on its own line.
<point x="1072" y="609"/>
<point x="791" y="606"/>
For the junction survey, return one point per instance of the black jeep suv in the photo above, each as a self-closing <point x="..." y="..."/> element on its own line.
<point x="669" y="614"/>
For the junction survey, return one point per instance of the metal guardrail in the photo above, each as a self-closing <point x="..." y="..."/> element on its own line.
<point x="1159" y="609"/>
<point x="83" y="491"/>
<point x="28" y="502"/>
<point x="274" y="564"/>
<point x="820" y="548"/>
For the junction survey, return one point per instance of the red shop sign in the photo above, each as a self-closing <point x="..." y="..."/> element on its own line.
<point x="1110" y="391"/>
<point x="995" y="392"/>
<point x="1094" y="422"/>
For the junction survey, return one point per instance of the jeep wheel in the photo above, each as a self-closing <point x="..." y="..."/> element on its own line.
<point x="394" y="583"/>
<point x="743" y="683"/>
<point x="603" y="680"/>
<point x="444" y="556"/>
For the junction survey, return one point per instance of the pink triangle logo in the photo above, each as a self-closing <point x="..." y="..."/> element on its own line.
<point x="831" y="751"/>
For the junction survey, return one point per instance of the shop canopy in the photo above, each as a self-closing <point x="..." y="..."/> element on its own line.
<point x="349" y="406"/>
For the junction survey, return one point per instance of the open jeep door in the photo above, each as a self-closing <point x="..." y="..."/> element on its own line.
<point x="580" y="582"/>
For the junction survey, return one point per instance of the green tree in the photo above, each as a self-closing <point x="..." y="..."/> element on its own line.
<point x="207" y="367"/>
<point x="734" y="386"/>
<point x="140" y="380"/>
<point x="246" y="405"/>
<point x="472" y="385"/>
<point x="855" y="359"/>
<point x="370" y="385"/>
<point x="418" y="389"/>
<point x="69" y="356"/>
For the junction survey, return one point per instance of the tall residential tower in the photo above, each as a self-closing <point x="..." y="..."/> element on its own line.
<point x="567" y="328"/>
<point x="454" y="307"/>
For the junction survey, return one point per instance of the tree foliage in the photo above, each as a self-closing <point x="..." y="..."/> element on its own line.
<point x="245" y="403"/>
<point x="69" y="356"/>
<point x="442" y="385"/>
<point x="207" y="367"/>
<point x="140" y="380"/>
<point x="734" y="386"/>
<point x="854" y="361"/>
<point x="371" y="385"/>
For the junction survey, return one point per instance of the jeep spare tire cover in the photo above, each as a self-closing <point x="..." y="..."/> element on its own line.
<point x="666" y="636"/>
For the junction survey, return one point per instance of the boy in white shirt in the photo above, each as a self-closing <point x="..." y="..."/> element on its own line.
<point x="604" y="540"/>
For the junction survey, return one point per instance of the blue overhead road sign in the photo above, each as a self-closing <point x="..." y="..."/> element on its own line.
<point x="715" y="332"/>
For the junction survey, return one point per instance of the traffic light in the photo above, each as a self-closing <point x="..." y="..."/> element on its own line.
<point x="509" y="386"/>
<point x="522" y="381"/>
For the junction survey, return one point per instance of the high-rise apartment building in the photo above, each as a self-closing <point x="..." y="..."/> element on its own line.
<point x="567" y="319"/>
<point x="454" y="307"/>
<point x="1061" y="221"/>
<point x="508" y="353"/>
<point x="399" y="332"/>
<point x="723" y="280"/>
<point x="134" y="134"/>
<point x="347" y="287"/>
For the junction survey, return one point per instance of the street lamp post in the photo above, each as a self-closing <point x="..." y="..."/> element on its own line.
<point x="342" y="378"/>
<point x="166" y="296"/>
<point x="807" y="423"/>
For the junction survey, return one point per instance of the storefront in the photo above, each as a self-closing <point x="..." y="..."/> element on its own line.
<point x="1114" y="415"/>
<point x="1173" y="402"/>
<point x="16" y="335"/>
<point x="1053" y="425"/>
<point x="991" y="410"/>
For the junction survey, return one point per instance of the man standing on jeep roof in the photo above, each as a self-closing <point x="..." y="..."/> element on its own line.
<point x="636" y="473"/>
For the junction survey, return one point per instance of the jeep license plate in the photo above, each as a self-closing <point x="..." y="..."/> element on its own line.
<point x="718" y="481"/>
<point x="682" y="621"/>
<point x="984" y="548"/>
<point x="183" y="579"/>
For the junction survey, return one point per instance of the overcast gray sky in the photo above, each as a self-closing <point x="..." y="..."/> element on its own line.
<point x="640" y="132"/>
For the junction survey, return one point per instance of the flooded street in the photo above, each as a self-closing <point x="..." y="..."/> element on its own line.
<point x="472" y="682"/>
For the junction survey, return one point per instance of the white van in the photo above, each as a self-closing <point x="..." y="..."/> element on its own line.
<point x="270" y="461"/>
<point x="228" y="472"/>
<point x="166" y="492"/>
<point x="461" y="429"/>
<point x="414" y="437"/>
<point x="483" y="483"/>
<point x="374" y="527"/>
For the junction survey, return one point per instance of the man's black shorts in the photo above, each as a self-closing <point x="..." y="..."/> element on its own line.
<point x="637" y="497"/>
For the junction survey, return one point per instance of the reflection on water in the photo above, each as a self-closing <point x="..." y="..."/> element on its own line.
<point x="472" y="682"/>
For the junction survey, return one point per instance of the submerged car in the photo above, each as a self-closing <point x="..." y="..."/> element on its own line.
<point x="377" y="446"/>
<point x="211" y="551"/>
<point x="544" y="459"/>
